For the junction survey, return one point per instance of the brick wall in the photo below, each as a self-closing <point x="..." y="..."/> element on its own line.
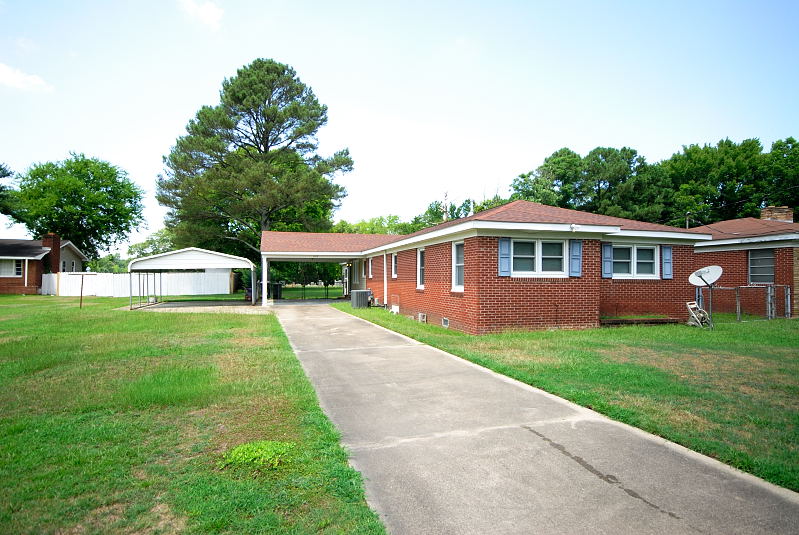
<point x="490" y="303"/>
<point x="624" y="297"/>
<point x="736" y="273"/>
<point x="437" y="299"/>
<point x="16" y="285"/>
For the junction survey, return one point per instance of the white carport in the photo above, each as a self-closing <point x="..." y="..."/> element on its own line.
<point x="191" y="258"/>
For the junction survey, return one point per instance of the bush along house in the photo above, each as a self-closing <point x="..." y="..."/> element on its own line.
<point x="522" y="265"/>
<point x="760" y="258"/>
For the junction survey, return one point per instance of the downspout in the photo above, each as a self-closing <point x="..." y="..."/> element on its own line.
<point x="26" y="273"/>
<point x="385" y="282"/>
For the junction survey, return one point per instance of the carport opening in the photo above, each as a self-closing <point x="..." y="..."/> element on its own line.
<point x="305" y="280"/>
<point x="194" y="274"/>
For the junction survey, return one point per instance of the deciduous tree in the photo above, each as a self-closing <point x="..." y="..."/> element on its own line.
<point x="88" y="201"/>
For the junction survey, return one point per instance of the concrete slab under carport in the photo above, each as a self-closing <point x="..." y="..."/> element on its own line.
<point x="448" y="447"/>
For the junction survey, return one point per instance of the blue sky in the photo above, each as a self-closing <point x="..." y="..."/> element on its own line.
<point x="431" y="98"/>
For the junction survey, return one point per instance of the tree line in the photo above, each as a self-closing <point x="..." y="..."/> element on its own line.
<point x="698" y="185"/>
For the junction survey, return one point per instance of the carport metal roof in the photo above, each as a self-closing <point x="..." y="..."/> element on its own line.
<point x="189" y="258"/>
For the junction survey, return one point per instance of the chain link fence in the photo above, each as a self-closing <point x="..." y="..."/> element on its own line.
<point x="746" y="303"/>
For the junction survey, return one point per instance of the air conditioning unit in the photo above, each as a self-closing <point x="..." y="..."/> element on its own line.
<point x="422" y="317"/>
<point x="445" y="323"/>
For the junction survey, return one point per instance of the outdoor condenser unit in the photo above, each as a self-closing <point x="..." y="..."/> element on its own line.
<point x="360" y="298"/>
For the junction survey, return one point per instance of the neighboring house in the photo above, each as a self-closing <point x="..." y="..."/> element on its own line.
<point x="754" y="253"/>
<point x="22" y="262"/>
<point x="522" y="265"/>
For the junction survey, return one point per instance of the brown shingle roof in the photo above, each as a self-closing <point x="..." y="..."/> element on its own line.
<point x="303" y="242"/>
<point x="513" y="212"/>
<point x="22" y="248"/>
<point x="533" y="212"/>
<point x="746" y="227"/>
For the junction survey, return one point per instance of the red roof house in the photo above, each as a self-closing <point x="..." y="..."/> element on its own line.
<point x="755" y="254"/>
<point x="522" y="265"/>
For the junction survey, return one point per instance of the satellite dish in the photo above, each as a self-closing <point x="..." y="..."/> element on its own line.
<point x="705" y="276"/>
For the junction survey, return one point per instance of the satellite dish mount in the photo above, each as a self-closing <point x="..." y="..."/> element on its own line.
<point x="706" y="277"/>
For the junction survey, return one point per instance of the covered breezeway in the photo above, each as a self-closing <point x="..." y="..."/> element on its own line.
<point x="146" y="274"/>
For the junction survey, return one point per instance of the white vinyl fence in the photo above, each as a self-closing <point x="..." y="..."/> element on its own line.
<point x="118" y="284"/>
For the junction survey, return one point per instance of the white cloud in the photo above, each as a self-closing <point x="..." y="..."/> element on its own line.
<point x="25" y="45"/>
<point x="11" y="77"/>
<point x="206" y="12"/>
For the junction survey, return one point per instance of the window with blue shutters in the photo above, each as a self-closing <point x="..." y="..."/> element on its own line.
<point x="665" y="258"/>
<point x="504" y="257"/>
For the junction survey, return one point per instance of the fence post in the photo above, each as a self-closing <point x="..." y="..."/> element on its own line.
<point x="787" y="301"/>
<point x="738" y="303"/>
<point x="770" y="309"/>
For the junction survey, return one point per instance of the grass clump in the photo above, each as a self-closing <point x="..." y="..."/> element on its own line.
<point x="173" y="385"/>
<point x="731" y="393"/>
<point x="259" y="455"/>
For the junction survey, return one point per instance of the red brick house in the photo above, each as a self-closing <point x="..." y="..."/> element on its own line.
<point x="755" y="254"/>
<point x="22" y="262"/>
<point x="522" y="265"/>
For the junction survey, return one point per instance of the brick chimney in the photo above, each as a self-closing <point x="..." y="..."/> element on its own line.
<point x="53" y="241"/>
<point x="777" y="213"/>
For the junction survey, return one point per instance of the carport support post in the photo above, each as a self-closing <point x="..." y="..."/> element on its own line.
<point x="385" y="282"/>
<point x="253" y="284"/>
<point x="130" y="287"/>
<point x="264" y="279"/>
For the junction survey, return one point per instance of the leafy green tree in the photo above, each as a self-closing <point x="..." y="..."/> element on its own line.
<point x="88" y="201"/>
<point x="487" y="204"/>
<point x="158" y="242"/>
<point x="535" y="187"/>
<point x="112" y="263"/>
<point x="565" y="171"/>
<point x="719" y="182"/>
<point x="5" y="191"/>
<point x="782" y="181"/>
<point x="249" y="164"/>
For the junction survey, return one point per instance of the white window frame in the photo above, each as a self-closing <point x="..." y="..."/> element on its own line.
<point x="356" y="269"/>
<point x="419" y="270"/>
<point x="394" y="265"/>
<point x="538" y="259"/>
<point x="458" y="287"/>
<point x="634" y="247"/>
<point x="73" y="266"/>
<point x="370" y="267"/>
<point x="773" y="266"/>
<point x="16" y="267"/>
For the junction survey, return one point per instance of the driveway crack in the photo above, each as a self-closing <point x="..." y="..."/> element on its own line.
<point x="607" y="478"/>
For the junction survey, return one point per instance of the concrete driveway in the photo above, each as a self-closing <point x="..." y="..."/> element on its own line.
<point x="446" y="446"/>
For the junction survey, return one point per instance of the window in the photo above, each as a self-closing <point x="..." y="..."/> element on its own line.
<point x="761" y="266"/>
<point x="355" y="270"/>
<point x="635" y="261"/>
<point x="10" y="268"/>
<point x="531" y="258"/>
<point x="457" y="267"/>
<point x="73" y="266"/>
<point x="394" y="266"/>
<point x="420" y="269"/>
<point x="63" y="265"/>
<point x="370" y="268"/>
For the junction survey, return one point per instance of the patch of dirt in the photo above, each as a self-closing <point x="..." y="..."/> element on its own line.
<point x="532" y="353"/>
<point x="164" y="522"/>
<point x="98" y="519"/>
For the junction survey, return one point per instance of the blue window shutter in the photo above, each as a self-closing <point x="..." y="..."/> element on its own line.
<point x="665" y="258"/>
<point x="607" y="260"/>
<point x="504" y="257"/>
<point x="575" y="258"/>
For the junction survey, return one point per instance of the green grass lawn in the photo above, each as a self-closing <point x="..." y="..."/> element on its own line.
<point x="119" y="422"/>
<point x="731" y="393"/>
<point x="311" y="292"/>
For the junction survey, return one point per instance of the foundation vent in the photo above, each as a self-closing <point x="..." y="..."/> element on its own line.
<point x="445" y="323"/>
<point x="422" y="317"/>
